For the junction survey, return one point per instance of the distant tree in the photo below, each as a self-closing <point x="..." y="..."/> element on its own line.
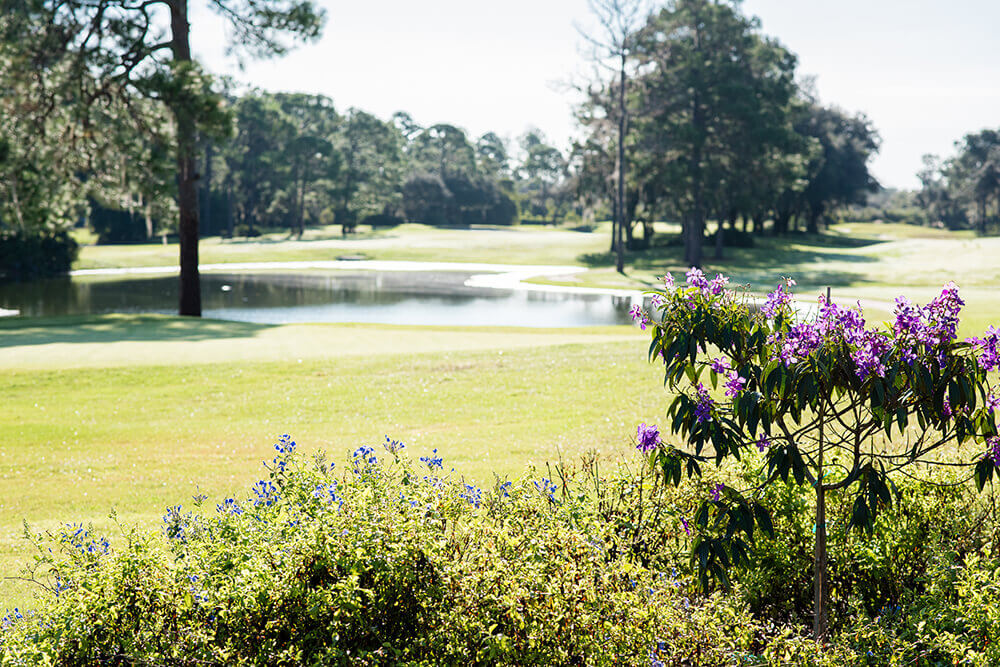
<point x="838" y="175"/>
<point x="310" y="154"/>
<point x="257" y="158"/>
<point x="714" y="101"/>
<point x="371" y="170"/>
<point x="612" y="47"/>
<point x="118" y="47"/>
<point x="492" y="159"/>
<point x="445" y="150"/>
<point x="543" y="172"/>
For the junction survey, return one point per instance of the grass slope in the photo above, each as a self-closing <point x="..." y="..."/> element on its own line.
<point x="137" y="412"/>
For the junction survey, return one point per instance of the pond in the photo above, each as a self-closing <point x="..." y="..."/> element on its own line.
<point x="438" y="298"/>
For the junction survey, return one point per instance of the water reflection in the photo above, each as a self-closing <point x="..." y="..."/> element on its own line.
<point x="388" y="298"/>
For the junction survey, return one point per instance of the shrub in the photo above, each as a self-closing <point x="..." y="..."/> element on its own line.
<point x="37" y="254"/>
<point x="394" y="561"/>
<point x="382" y="220"/>
<point x="838" y="407"/>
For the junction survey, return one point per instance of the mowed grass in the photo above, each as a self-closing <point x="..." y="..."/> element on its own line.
<point x="139" y="413"/>
<point x="410" y="242"/>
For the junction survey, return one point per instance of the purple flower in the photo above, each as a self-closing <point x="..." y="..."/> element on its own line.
<point x="992" y="403"/>
<point x="721" y="365"/>
<point x="703" y="410"/>
<point x="993" y="450"/>
<point x="648" y="437"/>
<point x="716" y="491"/>
<point x="946" y="408"/>
<point x="776" y="300"/>
<point x="687" y="526"/>
<point x="763" y="442"/>
<point x="942" y="317"/>
<point x="986" y="347"/>
<point x="800" y="341"/>
<point x="735" y="384"/>
<point x="718" y="284"/>
<point x="695" y="278"/>
<point x="668" y="280"/>
<point x="638" y="314"/>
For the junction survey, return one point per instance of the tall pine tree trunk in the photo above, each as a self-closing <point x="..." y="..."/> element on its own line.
<point x="620" y="195"/>
<point x="187" y="174"/>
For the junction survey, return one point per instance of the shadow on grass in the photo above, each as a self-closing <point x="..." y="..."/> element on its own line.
<point x="798" y="254"/>
<point x="18" y="331"/>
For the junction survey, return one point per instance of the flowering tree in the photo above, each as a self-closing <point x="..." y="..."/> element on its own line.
<point x="824" y="400"/>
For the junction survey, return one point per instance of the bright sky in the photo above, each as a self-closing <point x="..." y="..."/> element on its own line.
<point x="924" y="71"/>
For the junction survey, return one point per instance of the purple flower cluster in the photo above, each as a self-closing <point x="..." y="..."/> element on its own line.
<point x="393" y="446"/>
<point x="328" y="492"/>
<point x="703" y="410"/>
<point x="942" y="317"/>
<point x="639" y="315"/>
<point x="229" y="506"/>
<point x="993" y="450"/>
<point x="797" y="344"/>
<point x="716" y="491"/>
<point x="914" y="330"/>
<point x="776" y="300"/>
<point x="472" y="494"/>
<point x="763" y="442"/>
<point x="992" y="403"/>
<point x="695" y="278"/>
<point x="265" y="493"/>
<point x="648" y="438"/>
<point x="668" y="280"/>
<point x="734" y="384"/>
<point x="433" y="461"/>
<point x="718" y="284"/>
<point x="986" y="347"/>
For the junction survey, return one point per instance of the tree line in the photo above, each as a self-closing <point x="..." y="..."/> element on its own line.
<point x="694" y="115"/>
<point x="963" y="190"/>
<point x="291" y="161"/>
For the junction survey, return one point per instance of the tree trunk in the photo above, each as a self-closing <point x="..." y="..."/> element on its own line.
<point x="720" y="239"/>
<point x="695" y="229"/>
<point x="620" y="250"/>
<point x="820" y="587"/>
<point x="812" y="224"/>
<point x="187" y="175"/>
<point x="206" y="187"/>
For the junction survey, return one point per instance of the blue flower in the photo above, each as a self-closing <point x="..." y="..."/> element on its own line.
<point x="546" y="488"/>
<point x="393" y="446"/>
<point x="433" y="461"/>
<point x="472" y="494"/>
<point x="265" y="493"/>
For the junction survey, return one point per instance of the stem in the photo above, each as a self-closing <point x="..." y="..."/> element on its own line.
<point x="820" y="557"/>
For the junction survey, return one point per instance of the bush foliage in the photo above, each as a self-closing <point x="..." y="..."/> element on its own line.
<point x="35" y="254"/>
<point x="395" y="561"/>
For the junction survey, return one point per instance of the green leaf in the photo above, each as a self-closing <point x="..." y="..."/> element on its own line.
<point x="763" y="518"/>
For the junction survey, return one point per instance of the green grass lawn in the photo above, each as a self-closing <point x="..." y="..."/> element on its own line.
<point x="137" y="412"/>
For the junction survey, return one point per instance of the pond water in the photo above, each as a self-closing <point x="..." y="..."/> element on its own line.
<point x="387" y="298"/>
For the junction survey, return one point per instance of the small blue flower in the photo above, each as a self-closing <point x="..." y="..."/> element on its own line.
<point x="433" y="461"/>
<point x="393" y="446"/>
<point x="472" y="494"/>
<point x="546" y="488"/>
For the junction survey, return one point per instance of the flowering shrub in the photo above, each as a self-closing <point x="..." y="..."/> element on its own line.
<point x="383" y="564"/>
<point x="825" y="399"/>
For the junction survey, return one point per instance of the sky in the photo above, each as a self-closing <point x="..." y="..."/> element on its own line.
<point x="924" y="72"/>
